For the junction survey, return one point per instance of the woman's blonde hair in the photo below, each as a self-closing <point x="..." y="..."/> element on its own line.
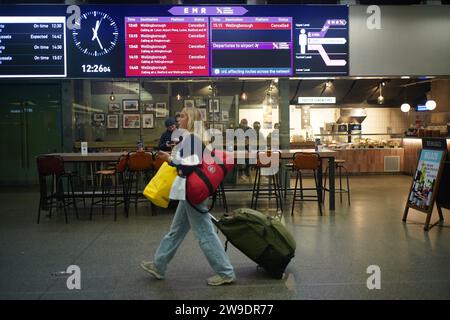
<point x="194" y="123"/>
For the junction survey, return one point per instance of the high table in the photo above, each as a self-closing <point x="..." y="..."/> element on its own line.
<point x="286" y="154"/>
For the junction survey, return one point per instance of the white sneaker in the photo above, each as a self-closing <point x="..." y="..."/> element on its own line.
<point x="219" y="280"/>
<point x="149" y="266"/>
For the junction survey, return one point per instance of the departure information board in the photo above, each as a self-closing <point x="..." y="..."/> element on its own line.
<point x="166" y="46"/>
<point x="119" y="41"/>
<point x="32" y="47"/>
<point x="251" y="46"/>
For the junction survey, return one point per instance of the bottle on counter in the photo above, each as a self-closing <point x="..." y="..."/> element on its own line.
<point x="318" y="145"/>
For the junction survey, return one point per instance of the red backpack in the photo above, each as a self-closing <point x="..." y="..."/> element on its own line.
<point x="206" y="177"/>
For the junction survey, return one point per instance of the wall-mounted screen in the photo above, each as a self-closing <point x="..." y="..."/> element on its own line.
<point x="32" y="47"/>
<point x="118" y="41"/>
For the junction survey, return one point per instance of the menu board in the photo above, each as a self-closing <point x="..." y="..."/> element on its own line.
<point x="166" y="46"/>
<point x="427" y="178"/>
<point x="32" y="47"/>
<point x="251" y="46"/>
<point x="159" y="41"/>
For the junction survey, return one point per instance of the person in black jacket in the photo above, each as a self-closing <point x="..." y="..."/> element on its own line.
<point x="165" y="142"/>
<point x="189" y="154"/>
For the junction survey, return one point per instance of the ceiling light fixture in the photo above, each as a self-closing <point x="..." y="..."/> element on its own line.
<point x="112" y="97"/>
<point x="243" y="95"/>
<point x="430" y="104"/>
<point x="405" y="107"/>
<point x="380" y="98"/>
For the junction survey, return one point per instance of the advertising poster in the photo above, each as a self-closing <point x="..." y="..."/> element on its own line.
<point x="423" y="186"/>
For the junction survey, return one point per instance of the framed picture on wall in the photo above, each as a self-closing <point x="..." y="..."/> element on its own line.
<point x="114" y="107"/>
<point x="203" y="113"/>
<point x="112" y="121"/>
<point x="99" y="117"/>
<point x="214" y="116"/>
<point x="130" y="105"/>
<point x="148" y="107"/>
<point x="147" y="121"/>
<point x="131" y="121"/>
<point x="225" y="116"/>
<point x="214" y="105"/>
<point x="200" y="102"/>
<point x="218" y="127"/>
<point x="189" y="103"/>
<point x="161" y="110"/>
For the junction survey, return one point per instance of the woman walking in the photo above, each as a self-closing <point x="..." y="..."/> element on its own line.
<point x="186" y="216"/>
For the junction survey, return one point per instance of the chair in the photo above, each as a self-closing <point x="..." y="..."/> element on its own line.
<point x="105" y="181"/>
<point x="274" y="188"/>
<point x="288" y="168"/>
<point x="157" y="162"/>
<point x="140" y="167"/>
<point x="53" y="167"/>
<point x="306" y="161"/>
<point x="219" y="195"/>
<point x="339" y="166"/>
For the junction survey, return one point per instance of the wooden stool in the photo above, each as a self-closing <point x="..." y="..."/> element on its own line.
<point x="274" y="188"/>
<point x="306" y="161"/>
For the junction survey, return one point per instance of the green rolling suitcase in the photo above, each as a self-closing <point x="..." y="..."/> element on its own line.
<point x="263" y="239"/>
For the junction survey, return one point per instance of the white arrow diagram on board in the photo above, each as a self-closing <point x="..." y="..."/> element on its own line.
<point x="325" y="57"/>
<point x="327" y="41"/>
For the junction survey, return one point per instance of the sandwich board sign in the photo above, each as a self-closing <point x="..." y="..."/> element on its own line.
<point x="427" y="177"/>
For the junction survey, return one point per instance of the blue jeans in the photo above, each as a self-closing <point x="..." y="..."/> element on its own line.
<point x="185" y="218"/>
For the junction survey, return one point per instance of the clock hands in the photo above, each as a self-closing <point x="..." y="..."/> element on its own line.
<point x="96" y="47"/>
<point x="95" y="35"/>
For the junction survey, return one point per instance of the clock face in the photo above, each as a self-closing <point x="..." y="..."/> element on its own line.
<point x="97" y="35"/>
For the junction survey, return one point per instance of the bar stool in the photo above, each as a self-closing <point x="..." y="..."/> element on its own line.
<point x="288" y="168"/>
<point x="140" y="167"/>
<point x="274" y="188"/>
<point x="105" y="178"/>
<point x="339" y="165"/>
<point x="219" y="195"/>
<point x="53" y="166"/>
<point x="306" y="161"/>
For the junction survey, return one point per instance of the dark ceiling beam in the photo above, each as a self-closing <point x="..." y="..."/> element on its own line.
<point x="348" y="92"/>
<point x="296" y="92"/>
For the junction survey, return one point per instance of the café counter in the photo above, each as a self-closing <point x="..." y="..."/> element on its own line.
<point x="371" y="160"/>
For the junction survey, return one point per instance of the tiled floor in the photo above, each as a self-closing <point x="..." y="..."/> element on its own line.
<point x="333" y="252"/>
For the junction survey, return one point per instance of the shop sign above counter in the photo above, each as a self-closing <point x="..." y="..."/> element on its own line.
<point x="118" y="41"/>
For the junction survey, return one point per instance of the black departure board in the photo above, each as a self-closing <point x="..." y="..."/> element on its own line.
<point x="32" y="47"/>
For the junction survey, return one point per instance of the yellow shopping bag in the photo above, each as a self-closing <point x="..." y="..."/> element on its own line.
<point x="158" y="189"/>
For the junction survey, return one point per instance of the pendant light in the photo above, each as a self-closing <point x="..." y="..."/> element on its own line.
<point x="112" y="97"/>
<point x="380" y="98"/>
<point x="405" y="107"/>
<point x="430" y="104"/>
<point x="243" y="94"/>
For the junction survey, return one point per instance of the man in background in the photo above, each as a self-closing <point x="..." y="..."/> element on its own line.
<point x="244" y="169"/>
<point x="165" y="142"/>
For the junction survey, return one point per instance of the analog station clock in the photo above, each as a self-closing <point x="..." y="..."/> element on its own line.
<point x="97" y="35"/>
